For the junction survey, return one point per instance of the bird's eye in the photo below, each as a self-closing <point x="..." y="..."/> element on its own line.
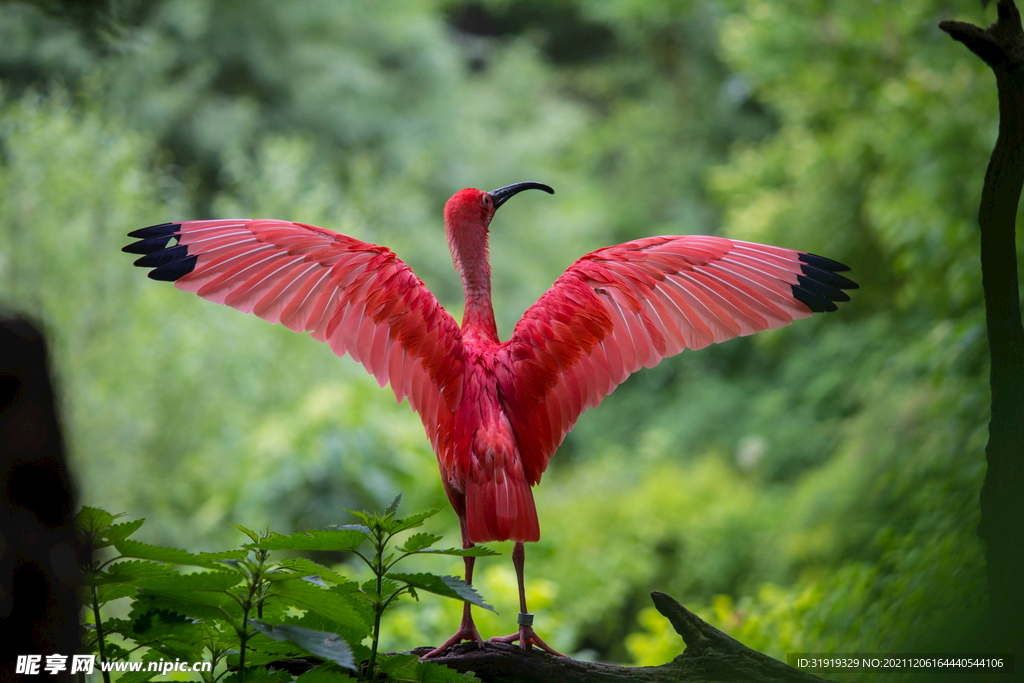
<point x="486" y="200"/>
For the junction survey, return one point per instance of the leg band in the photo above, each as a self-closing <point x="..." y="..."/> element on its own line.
<point x="525" y="619"/>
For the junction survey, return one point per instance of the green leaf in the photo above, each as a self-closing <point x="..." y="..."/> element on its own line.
<point x="273" y="648"/>
<point x="128" y="571"/>
<point x="314" y="539"/>
<point x="307" y="567"/>
<point x="137" y="676"/>
<point x="350" y="527"/>
<point x="91" y="520"/>
<point x="219" y="557"/>
<point x="329" y="646"/>
<point x="248" y="532"/>
<point x="172" y="634"/>
<point x="448" y="586"/>
<point x="195" y="604"/>
<point x="418" y="542"/>
<point x="114" y="591"/>
<point x="318" y="622"/>
<point x="145" y="551"/>
<point x="115" y="625"/>
<point x="215" y="582"/>
<point x="254" y="674"/>
<point x="409" y="669"/>
<point x="324" y="674"/>
<point x="115" y="652"/>
<point x="400" y="667"/>
<point x="367" y="518"/>
<point x="430" y="672"/>
<point x="414" y="521"/>
<point x="475" y="551"/>
<point x="117" y="532"/>
<point x="393" y="508"/>
<point x="334" y="605"/>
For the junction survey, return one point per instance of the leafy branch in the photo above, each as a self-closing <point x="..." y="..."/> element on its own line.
<point x="243" y="612"/>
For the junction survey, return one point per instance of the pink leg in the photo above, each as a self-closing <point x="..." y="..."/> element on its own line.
<point x="526" y="636"/>
<point x="467" y="630"/>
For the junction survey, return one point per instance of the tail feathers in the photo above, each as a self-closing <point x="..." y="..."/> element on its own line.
<point x="500" y="509"/>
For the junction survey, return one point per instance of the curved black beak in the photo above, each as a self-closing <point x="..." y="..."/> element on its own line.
<point x="503" y="194"/>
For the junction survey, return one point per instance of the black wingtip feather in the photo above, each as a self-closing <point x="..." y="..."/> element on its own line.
<point x="158" y="258"/>
<point x="819" y="287"/>
<point x="160" y="250"/>
<point x="166" y="229"/>
<point x="172" y="271"/>
<point x="149" y="245"/>
<point x="823" y="263"/>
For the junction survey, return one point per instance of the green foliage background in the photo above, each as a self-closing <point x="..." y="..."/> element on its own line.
<point x="810" y="489"/>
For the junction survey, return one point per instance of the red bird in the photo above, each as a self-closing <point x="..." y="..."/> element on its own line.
<point x="494" y="411"/>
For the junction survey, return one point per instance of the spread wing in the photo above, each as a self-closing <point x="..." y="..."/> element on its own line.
<point x="357" y="297"/>
<point x="625" y="307"/>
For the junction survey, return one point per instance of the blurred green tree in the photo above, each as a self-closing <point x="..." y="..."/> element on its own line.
<point x="815" y="488"/>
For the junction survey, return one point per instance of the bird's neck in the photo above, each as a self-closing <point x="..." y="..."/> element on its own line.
<point x="469" y="251"/>
<point x="478" y="316"/>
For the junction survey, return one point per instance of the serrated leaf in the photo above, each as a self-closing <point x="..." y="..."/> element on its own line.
<point x="321" y="644"/>
<point x="303" y="566"/>
<point x="393" y="508"/>
<point x="114" y="591"/>
<point x="115" y="652"/>
<point x="261" y="657"/>
<point x="145" y="551"/>
<point x="418" y="542"/>
<point x="254" y="674"/>
<point x="315" y="580"/>
<point x="367" y="518"/>
<point x="195" y="604"/>
<point x="475" y="551"/>
<point x="350" y="527"/>
<point x="409" y="669"/>
<point x="137" y="676"/>
<point x="117" y="532"/>
<point x="448" y="586"/>
<point x="400" y="667"/>
<point x="430" y="672"/>
<point x="173" y="635"/>
<point x="90" y="520"/>
<point x="222" y="555"/>
<point x="214" y="582"/>
<point x="323" y="674"/>
<point x="128" y="571"/>
<point x="333" y="605"/>
<point x="319" y="622"/>
<point x="414" y="521"/>
<point x="255" y="537"/>
<point x="314" y="539"/>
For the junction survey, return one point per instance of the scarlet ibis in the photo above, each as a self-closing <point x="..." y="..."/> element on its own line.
<point x="494" y="411"/>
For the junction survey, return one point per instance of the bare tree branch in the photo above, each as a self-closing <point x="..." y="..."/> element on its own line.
<point x="710" y="656"/>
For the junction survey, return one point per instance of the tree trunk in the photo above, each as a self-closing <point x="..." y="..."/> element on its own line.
<point x="39" y="552"/>
<point x="1001" y="46"/>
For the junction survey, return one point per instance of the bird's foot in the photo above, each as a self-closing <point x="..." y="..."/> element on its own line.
<point x="465" y="632"/>
<point x="526" y="636"/>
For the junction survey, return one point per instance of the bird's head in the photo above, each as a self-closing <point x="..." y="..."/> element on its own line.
<point x="468" y="214"/>
<point x="472" y="208"/>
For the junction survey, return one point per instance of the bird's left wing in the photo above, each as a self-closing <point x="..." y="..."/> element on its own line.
<point x="357" y="297"/>
<point x="625" y="307"/>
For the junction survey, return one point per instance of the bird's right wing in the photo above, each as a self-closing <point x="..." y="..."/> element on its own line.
<point x="357" y="297"/>
<point x="625" y="307"/>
